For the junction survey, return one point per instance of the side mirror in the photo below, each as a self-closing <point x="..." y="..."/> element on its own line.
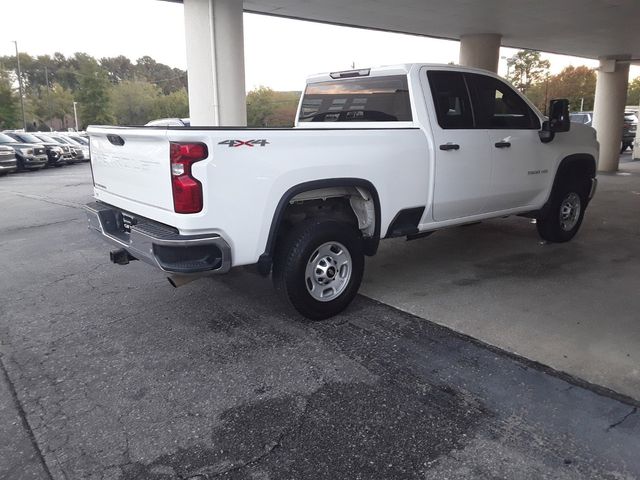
<point x="558" y="122"/>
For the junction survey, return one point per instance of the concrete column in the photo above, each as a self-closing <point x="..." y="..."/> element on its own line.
<point x="480" y="51"/>
<point x="215" y="62"/>
<point x="608" y="111"/>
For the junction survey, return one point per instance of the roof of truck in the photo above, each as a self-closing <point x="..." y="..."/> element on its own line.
<point x="399" y="69"/>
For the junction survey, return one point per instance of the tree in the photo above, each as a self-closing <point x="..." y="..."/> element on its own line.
<point x="9" y="110"/>
<point x="93" y="95"/>
<point x="578" y="84"/>
<point x="259" y="106"/>
<point x="176" y="104"/>
<point x="119" y="69"/>
<point x="266" y="108"/>
<point x="134" y="102"/>
<point x="526" y="68"/>
<point x="633" y="94"/>
<point x="57" y="103"/>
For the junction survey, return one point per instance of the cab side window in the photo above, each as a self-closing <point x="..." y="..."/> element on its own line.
<point x="497" y="106"/>
<point x="451" y="99"/>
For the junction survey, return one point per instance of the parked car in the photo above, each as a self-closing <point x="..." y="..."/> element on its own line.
<point x="170" y="122"/>
<point x="629" y="127"/>
<point x="29" y="156"/>
<point x="629" y="130"/>
<point x="55" y="155"/>
<point x="68" y="152"/>
<point x="77" y="150"/>
<point x="396" y="151"/>
<point x="77" y="144"/>
<point x="8" y="162"/>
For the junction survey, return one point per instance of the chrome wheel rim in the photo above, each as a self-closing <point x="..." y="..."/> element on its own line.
<point x="328" y="271"/>
<point x="570" y="211"/>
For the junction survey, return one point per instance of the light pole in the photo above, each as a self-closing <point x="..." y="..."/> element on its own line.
<point x="75" y="114"/>
<point x="46" y="77"/>
<point x="24" y="118"/>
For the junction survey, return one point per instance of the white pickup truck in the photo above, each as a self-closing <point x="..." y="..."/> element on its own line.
<point x="395" y="151"/>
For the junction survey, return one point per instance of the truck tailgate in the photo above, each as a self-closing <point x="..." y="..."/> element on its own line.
<point x="132" y="164"/>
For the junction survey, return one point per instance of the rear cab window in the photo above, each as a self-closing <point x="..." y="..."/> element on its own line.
<point x="363" y="99"/>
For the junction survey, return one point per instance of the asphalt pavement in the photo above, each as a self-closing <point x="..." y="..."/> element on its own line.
<point x="109" y="373"/>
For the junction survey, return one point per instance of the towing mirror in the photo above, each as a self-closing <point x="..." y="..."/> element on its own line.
<point x="558" y="122"/>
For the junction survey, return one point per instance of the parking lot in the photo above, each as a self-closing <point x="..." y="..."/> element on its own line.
<point x="493" y="358"/>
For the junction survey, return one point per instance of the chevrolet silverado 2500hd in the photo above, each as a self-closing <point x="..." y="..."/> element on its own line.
<point x="376" y="153"/>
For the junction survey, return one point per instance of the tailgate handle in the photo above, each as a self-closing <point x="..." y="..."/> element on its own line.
<point x="115" y="139"/>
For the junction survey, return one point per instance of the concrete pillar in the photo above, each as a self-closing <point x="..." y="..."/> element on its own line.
<point x="480" y="51"/>
<point x="608" y="111"/>
<point x="215" y="62"/>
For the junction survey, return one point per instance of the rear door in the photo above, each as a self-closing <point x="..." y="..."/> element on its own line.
<point x="520" y="161"/>
<point x="462" y="155"/>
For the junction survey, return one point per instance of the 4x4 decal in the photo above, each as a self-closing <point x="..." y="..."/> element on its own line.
<point x="244" y="143"/>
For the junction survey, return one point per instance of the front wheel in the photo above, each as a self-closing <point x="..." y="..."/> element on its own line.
<point x="563" y="217"/>
<point x="318" y="267"/>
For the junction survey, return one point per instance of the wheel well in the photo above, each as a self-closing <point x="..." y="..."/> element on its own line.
<point x="354" y="201"/>
<point x="573" y="167"/>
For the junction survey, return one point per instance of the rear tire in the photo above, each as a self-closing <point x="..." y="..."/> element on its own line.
<point x="564" y="213"/>
<point x="318" y="267"/>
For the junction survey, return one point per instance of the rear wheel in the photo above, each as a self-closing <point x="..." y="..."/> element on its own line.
<point x="318" y="267"/>
<point x="563" y="216"/>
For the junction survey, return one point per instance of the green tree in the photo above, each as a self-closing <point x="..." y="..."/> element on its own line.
<point x="633" y="94"/>
<point x="93" y="96"/>
<point x="260" y="104"/>
<point x="56" y="103"/>
<point x="176" y="104"/>
<point x="9" y="108"/>
<point x="118" y="68"/>
<point x="134" y="102"/>
<point x="527" y="68"/>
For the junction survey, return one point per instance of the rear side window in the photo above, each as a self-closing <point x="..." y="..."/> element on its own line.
<point x="498" y="106"/>
<point x="370" y="99"/>
<point x="451" y="99"/>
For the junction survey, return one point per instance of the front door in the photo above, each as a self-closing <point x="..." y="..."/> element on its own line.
<point x="520" y="161"/>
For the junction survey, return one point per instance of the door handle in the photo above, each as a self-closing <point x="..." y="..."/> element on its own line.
<point x="450" y="146"/>
<point x="503" y="144"/>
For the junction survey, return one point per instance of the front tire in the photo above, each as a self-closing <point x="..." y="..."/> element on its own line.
<point x="564" y="214"/>
<point x="318" y="267"/>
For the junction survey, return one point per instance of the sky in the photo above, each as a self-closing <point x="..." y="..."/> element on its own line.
<point x="279" y="53"/>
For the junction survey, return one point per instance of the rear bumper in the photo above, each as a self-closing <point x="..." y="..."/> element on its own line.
<point x="158" y="244"/>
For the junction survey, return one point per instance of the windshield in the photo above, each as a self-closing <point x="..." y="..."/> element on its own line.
<point x="27" y="137"/>
<point x="7" y="139"/>
<point x="72" y="141"/>
<point x="62" y="140"/>
<point x="81" y="140"/>
<point x="45" y="138"/>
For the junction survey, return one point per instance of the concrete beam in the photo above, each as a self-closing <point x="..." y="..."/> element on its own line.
<point x="215" y="62"/>
<point x="480" y="51"/>
<point x="608" y="111"/>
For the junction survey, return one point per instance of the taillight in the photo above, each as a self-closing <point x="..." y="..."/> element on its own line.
<point x="187" y="191"/>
